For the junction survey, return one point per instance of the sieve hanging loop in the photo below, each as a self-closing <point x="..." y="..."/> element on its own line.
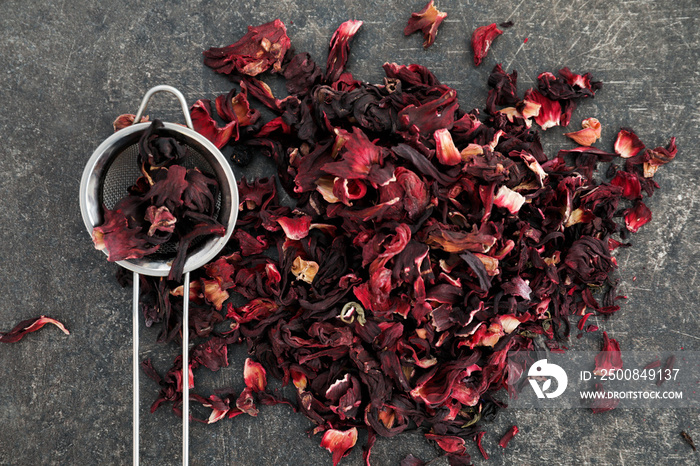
<point x="164" y="88"/>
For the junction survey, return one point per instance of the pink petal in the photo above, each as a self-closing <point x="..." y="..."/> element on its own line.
<point x="339" y="442"/>
<point x="254" y="375"/>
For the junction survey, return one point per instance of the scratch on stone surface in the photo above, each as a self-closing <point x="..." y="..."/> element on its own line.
<point x="70" y="54"/>
<point x="685" y="334"/>
<point x="516" y="9"/>
<point x="515" y="55"/>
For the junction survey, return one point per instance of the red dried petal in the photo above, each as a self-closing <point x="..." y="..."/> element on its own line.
<point x="637" y="216"/>
<point x="254" y="375"/>
<point x="28" y="326"/>
<point x="482" y="38"/>
<point x="295" y="228"/>
<point x="340" y="48"/>
<point x="449" y="443"/>
<point x="508" y="436"/>
<point x="550" y="113"/>
<point x="263" y="47"/>
<point x="629" y="182"/>
<point x="427" y="21"/>
<point x="205" y="125"/>
<point x="431" y="116"/>
<point x="658" y="157"/>
<point x="161" y="220"/>
<point x="627" y="144"/>
<point x="360" y="159"/>
<point x="609" y="359"/>
<point x="120" y="241"/>
<point x="339" y="442"/>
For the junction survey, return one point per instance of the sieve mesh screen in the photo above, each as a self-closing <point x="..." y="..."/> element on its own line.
<point x="123" y="173"/>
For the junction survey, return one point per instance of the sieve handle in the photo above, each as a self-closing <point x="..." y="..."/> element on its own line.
<point x="173" y="91"/>
<point x="135" y="372"/>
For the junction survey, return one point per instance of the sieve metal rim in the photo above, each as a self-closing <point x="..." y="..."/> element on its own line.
<point x="91" y="209"/>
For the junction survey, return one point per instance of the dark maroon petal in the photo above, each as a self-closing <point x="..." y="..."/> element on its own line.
<point x="430" y="116"/>
<point x="449" y="443"/>
<point x="340" y="48"/>
<point x="482" y="38"/>
<point x="263" y="47"/>
<point x="28" y="326"/>
<point x="235" y="107"/>
<point x="119" y="240"/>
<point x="360" y="160"/>
<point x="427" y="21"/>
<point x="212" y="354"/>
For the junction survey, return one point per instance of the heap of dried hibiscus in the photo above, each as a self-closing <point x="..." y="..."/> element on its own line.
<point x="425" y="242"/>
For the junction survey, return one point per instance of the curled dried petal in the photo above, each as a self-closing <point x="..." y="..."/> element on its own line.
<point x="126" y="120"/>
<point x="254" y="375"/>
<point x="588" y="135"/>
<point x="482" y="38"/>
<point x="339" y="442"/>
<point x="609" y="359"/>
<point x="637" y="216"/>
<point x="445" y="148"/>
<point x="340" y="48"/>
<point x="28" y="326"/>
<point x="261" y="48"/>
<point x="427" y="21"/>
<point x="627" y="144"/>
<point x="508" y="436"/>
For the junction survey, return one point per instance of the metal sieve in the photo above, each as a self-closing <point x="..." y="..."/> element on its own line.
<point x="112" y="168"/>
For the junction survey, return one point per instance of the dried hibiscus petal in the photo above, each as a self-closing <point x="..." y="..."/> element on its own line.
<point x="508" y="436"/>
<point x="340" y="48"/>
<point x="205" y="125"/>
<point x="427" y="21"/>
<point x="119" y="240"/>
<point x="627" y="144"/>
<point x="262" y="48"/>
<point x="637" y="216"/>
<point x="588" y="135"/>
<point x="254" y="375"/>
<point x="126" y="120"/>
<point x="339" y="442"/>
<point x="482" y="37"/>
<point x="550" y="111"/>
<point x="28" y="326"/>
<point x="659" y="156"/>
<point x="609" y="359"/>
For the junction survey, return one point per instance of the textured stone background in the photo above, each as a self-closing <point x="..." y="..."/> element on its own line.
<point x="67" y="69"/>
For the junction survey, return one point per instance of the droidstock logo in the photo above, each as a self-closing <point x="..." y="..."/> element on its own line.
<point x="543" y="370"/>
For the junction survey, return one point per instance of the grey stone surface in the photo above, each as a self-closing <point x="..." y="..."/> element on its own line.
<point x="67" y="69"/>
